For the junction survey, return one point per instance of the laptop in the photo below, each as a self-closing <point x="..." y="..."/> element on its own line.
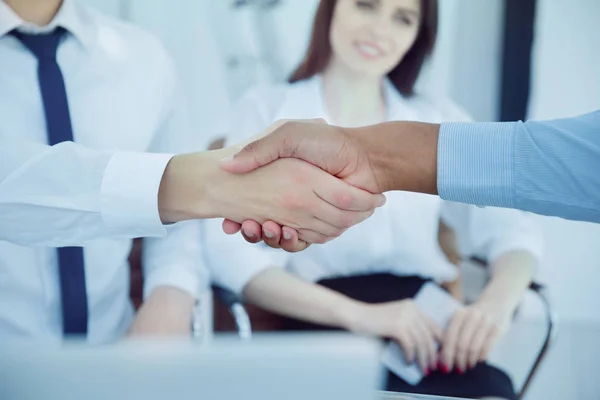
<point x="269" y="367"/>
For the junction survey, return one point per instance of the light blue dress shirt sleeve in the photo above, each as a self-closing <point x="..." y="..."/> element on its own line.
<point x="549" y="167"/>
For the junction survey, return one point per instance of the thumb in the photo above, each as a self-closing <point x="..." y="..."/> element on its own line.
<point x="259" y="153"/>
<point x="282" y="139"/>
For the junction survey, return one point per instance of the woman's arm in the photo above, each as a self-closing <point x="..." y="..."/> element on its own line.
<point x="279" y="291"/>
<point x="511" y="274"/>
<point x="449" y="244"/>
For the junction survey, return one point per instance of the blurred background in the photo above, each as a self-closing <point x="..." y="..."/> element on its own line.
<point x="222" y="47"/>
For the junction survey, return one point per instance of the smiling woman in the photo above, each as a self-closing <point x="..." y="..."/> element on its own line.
<point x="345" y="27"/>
<point x="360" y="69"/>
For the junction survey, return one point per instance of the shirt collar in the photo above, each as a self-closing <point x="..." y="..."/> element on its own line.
<point x="68" y="17"/>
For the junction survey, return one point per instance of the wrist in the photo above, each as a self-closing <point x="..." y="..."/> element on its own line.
<point x="496" y="304"/>
<point x="352" y="315"/>
<point x="403" y="155"/>
<point x="187" y="189"/>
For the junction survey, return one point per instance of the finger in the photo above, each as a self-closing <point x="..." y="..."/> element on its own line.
<point x="272" y="234"/>
<point x="310" y="236"/>
<point x="316" y="143"/>
<point x="406" y="342"/>
<point x="477" y="344"/>
<point x="276" y="144"/>
<point x="437" y="334"/>
<point x="328" y="221"/>
<point x="451" y="340"/>
<point x="231" y="227"/>
<point x="488" y="345"/>
<point x="290" y="242"/>
<point x="346" y="197"/>
<point x="289" y="234"/>
<point x="252" y="231"/>
<point x="335" y="217"/>
<point x="466" y="335"/>
<point x="435" y="330"/>
<point x="425" y="344"/>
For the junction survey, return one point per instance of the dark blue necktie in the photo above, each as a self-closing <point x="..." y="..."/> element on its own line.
<point x="58" y="127"/>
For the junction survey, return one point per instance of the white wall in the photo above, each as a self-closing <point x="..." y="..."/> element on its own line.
<point x="186" y="31"/>
<point x="466" y="62"/>
<point x="566" y="82"/>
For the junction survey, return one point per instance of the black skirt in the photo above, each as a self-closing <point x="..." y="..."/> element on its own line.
<point x="482" y="381"/>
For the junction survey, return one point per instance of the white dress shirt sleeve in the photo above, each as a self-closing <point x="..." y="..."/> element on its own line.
<point x="491" y="232"/>
<point x="174" y="260"/>
<point x="67" y="195"/>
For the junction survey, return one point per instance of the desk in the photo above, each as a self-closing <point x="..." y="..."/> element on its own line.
<point x="400" y="396"/>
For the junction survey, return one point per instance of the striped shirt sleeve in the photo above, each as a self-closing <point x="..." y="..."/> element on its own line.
<point x="548" y="167"/>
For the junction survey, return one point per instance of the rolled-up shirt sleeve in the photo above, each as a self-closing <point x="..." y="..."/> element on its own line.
<point x="67" y="194"/>
<point x="546" y="167"/>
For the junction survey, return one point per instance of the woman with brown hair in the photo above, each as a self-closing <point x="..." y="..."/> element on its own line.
<point x="361" y="68"/>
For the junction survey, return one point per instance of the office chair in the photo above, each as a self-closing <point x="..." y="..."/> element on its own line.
<point x="541" y="292"/>
<point x="236" y="308"/>
<point x="243" y="323"/>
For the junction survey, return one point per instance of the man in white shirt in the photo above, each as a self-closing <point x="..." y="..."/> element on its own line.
<point x="119" y="91"/>
<point x="69" y="74"/>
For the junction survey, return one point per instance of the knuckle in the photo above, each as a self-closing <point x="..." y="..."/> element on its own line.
<point x="293" y="202"/>
<point x="289" y="146"/>
<point x="344" y="200"/>
<point x="462" y="348"/>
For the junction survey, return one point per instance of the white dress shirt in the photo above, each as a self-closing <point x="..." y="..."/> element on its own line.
<point x="401" y="237"/>
<point x="123" y="98"/>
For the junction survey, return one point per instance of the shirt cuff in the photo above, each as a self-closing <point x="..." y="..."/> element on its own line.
<point x="475" y="163"/>
<point x="130" y="194"/>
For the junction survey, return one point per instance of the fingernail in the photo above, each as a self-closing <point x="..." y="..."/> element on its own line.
<point x="460" y="371"/>
<point x="426" y="372"/>
<point x="269" y="234"/>
<point x="251" y="235"/>
<point x="445" y="369"/>
<point x="287" y="235"/>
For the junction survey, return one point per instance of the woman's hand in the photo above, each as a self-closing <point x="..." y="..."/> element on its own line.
<point x="472" y="334"/>
<point x="403" y="322"/>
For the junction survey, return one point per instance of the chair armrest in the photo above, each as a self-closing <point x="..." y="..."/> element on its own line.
<point x="237" y="310"/>
<point x="226" y="296"/>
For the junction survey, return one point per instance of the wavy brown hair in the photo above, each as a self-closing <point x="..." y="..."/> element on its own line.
<point x="403" y="76"/>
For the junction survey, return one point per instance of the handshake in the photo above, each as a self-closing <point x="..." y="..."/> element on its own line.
<point x="300" y="182"/>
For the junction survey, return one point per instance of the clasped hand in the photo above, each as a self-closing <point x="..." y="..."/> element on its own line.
<point x="471" y="335"/>
<point x="330" y="187"/>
